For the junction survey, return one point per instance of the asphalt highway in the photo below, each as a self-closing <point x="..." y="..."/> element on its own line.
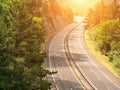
<point x="93" y="70"/>
<point x="65" y="79"/>
<point x="96" y="74"/>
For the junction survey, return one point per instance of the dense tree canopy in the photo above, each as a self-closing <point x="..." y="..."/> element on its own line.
<point x="104" y="24"/>
<point x="22" y="34"/>
<point x="102" y="12"/>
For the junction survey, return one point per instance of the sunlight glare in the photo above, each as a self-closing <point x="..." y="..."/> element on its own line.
<point x="85" y="2"/>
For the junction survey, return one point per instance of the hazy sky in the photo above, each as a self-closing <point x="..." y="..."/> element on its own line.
<point x="84" y="3"/>
<point x="78" y="5"/>
<point x="81" y="5"/>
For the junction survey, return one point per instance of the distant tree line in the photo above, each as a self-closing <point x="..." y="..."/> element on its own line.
<point x="104" y="25"/>
<point x="22" y="33"/>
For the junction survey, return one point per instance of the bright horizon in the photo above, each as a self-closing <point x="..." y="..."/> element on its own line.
<point x="79" y="5"/>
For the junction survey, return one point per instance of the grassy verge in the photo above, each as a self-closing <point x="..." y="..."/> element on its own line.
<point x="101" y="58"/>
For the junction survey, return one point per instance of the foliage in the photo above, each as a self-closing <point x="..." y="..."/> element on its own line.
<point x="104" y="23"/>
<point x="22" y="34"/>
<point x="21" y="37"/>
<point x="54" y="14"/>
<point x="107" y="35"/>
<point x="67" y="14"/>
<point x="102" y="12"/>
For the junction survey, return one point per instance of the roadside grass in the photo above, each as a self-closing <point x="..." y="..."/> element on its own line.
<point x="104" y="60"/>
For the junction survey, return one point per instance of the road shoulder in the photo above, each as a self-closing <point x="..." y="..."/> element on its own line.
<point x="101" y="58"/>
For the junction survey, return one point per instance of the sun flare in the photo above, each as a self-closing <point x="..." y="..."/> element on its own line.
<point x="84" y="2"/>
<point x="79" y="5"/>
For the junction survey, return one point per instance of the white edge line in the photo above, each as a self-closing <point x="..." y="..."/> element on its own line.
<point x="51" y="67"/>
<point x="71" y="68"/>
<point x="83" y="72"/>
<point x="100" y="70"/>
<point x="57" y="86"/>
<point x="103" y="72"/>
<point x="73" y="72"/>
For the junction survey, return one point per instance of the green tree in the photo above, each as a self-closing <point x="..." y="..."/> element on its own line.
<point x="102" y="12"/>
<point x="21" y="56"/>
<point x="106" y="32"/>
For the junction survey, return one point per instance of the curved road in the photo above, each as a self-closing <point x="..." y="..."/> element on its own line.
<point x="93" y="71"/>
<point x="65" y="79"/>
<point x="97" y="74"/>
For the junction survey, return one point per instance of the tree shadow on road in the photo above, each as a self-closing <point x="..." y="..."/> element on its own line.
<point x="65" y="84"/>
<point x="62" y="61"/>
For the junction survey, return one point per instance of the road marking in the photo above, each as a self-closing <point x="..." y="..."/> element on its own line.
<point x="56" y="86"/>
<point x="97" y="67"/>
<point x="74" y="73"/>
<point x="87" y="79"/>
<point x="51" y="64"/>
<point x="71" y="67"/>
<point x="98" y="78"/>
<point x="102" y="72"/>
<point x="51" y="69"/>
<point x="110" y="79"/>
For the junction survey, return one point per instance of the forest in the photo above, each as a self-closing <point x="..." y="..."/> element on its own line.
<point x="24" y="27"/>
<point x="104" y="26"/>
